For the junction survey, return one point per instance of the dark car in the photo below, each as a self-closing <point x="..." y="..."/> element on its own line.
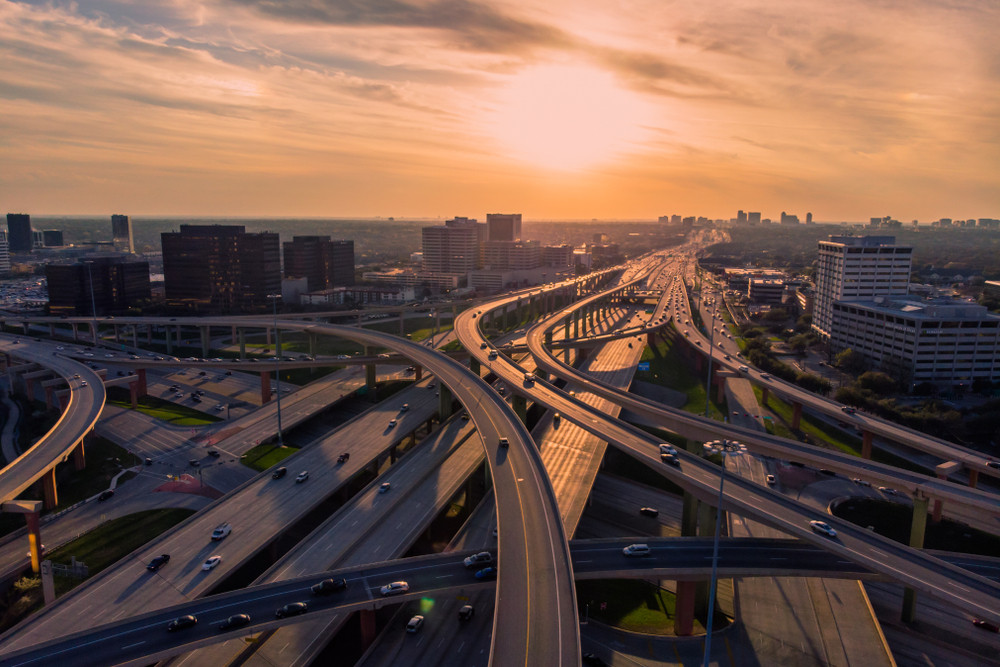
<point x="487" y="573"/>
<point x="328" y="586"/>
<point x="236" y="621"/>
<point x="343" y="457"/>
<point x="105" y="494"/>
<point x="194" y="463"/>
<point x="592" y="660"/>
<point x="986" y="625"/>
<point x="149" y="461"/>
<point x="182" y="622"/>
<point x="291" y="609"/>
<point x="466" y="613"/>
<point x="279" y="473"/>
<point x="214" y="453"/>
<point x="158" y="562"/>
<point x="649" y="511"/>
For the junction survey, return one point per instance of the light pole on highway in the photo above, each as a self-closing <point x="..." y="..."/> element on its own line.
<point x="277" y="365"/>
<point x="708" y="380"/>
<point x="93" y="302"/>
<point x="723" y="448"/>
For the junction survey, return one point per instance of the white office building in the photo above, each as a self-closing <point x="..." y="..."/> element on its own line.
<point x="857" y="267"/>
<point x="941" y="341"/>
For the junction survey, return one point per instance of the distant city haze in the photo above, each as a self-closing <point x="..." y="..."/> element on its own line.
<point x="557" y="110"/>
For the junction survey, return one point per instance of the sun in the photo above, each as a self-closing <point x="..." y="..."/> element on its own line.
<point x="567" y="117"/>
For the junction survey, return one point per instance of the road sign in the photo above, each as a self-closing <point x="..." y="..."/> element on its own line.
<point x="643" y="366"/>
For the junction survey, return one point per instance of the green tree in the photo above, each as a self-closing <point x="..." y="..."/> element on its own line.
<point x="877" y="383"/>
<point x="850" y="361"/>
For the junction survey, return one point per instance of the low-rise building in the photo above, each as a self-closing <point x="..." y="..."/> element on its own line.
<point x="359" y="295"/>
<point x="941" y="341"/>
<point x="765" y="290"/>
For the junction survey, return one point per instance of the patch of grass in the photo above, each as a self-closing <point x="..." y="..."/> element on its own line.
<point x="669" y="366"/>
<point x="98" y="549"/>
<point x="822" y="434"/>
<point x="634" y="605"/>
<point x="158" y="408"/>
<point x="419" y="328"/>
<point x="104" y="460"/>
<point x="262" y="457"/>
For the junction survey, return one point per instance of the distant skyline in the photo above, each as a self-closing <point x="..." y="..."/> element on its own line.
<point x="557" y="110"/>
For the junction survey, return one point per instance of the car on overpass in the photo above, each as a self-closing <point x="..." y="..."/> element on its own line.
<point x="395" y="588"/>
<point x="637" y="550"/>
<point x="481" y="558"/>
<point x="823" y="528"/>
<point x="182" y="622"/>
<point x="328" y="586"/>
<point x="158" y="562"/>
<point x="234" y="621"/>
<point x="291" y="609"/>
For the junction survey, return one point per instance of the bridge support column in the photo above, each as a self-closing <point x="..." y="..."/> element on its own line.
<point x="93" y="332"/>
<point x="166" y="339"/>
<point x="973" y="477"/>
<point x="149" y="334"/>
<point x="265" y="388"/>
<point x="50" y="494"/>
<point x="684" y="615"/>
<point x="706" y="528"/>
<point x="520" y="404"/>
<point x="796" y="415"/>
<point x="242" y="335"/>
<point x="34" y="540"/>
<point x="76" y="332"/>
<point x="548" y="338"/>
<point x="370" y="380"/>
<point x="576" y="324"/>
<point x="140" y="375"/>
<point x="393" y="454"/>
<point x="49" y="402"/>
<point x="367" y="618"/>
<point x="79" y="456"/>
<point x="402" y="323"/>
<point x="866" y="444"/>
<point x="765" y="394"/>
<point x="475" y="366"/>
<point x="419" y="373"/>
<point x="444" y="402"/>
<point x="566" y="323"/>
<point x="117" y="334"/>
<point x="133" y="392"/>
<point x="205" y="340"/>
<point x="918" y="528"/>
<point x="311" y="341"/>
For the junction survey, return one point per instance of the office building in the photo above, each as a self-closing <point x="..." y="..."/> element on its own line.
<point x="857" y="267"/>
<point x="753" y="218"/>
<point x="739" y="279"/>
<point x="52" y="238"/>
<point x="451" y="249"/>
<point x="789" y="219"/>
<point x="323" y="262"/>
<point x="357" y="296"/>
<point x="117" y="286"/>
<point x="941" y="341"/>
<point x="503" y="226"/>
<point x="557" y="255"/>
<point x="121" y="233"/>
<point x="220" y="267"/>
<point x="764" y="290"/>
<point x="19" y="235"/>
<point x="512" y="255"/>
<point x="4" y="254"/>
<point x="482" y="234"/>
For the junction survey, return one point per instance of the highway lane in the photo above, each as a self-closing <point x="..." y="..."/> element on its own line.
<point x="77" y="419"/>
<point x="258" y="511"/>
<point x="144" y="638"/>
<point x="536" y="610"/>
<point x="946" y="451"/>
<point x="918" y="570"/>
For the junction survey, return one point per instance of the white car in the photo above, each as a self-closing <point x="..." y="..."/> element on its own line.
<point x="415" y="624"/>
<point x="303" y="476"/>
<point x="888" y="491"/>
<point x="392" y="423"/>
<point x="395" y="588"/>
<point x="861" y="482"/>
<point x="634" y="550"/>
<point x="481" y="558"/>
<point x="385" y="487"/>
<point x="222" y="531"/>
<point x="823" y="528"/>
<point x="211" y="563"/>
<point x="770" y="480"/>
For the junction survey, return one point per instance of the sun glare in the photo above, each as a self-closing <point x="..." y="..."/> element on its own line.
<point x="567" y="118"/>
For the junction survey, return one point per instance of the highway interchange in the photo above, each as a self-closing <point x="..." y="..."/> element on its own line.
<point x="530" y="531"/>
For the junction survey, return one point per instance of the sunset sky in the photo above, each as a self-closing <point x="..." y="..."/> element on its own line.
<point x="555" y="109"/>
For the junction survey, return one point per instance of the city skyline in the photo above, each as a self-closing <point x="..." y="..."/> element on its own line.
<point x="567" y="111"/>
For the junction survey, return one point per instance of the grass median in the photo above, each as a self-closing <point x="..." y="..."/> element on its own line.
<point x="262" y="457"/>
<point x="157" y="408"/>
<point x="634" y="605"/>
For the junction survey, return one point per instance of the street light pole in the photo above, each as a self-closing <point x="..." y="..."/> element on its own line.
<point x="93" y="302"/>
<point x="711" y="351"/>
<point x="277" y="364"/>
<point x="724" y="448"/>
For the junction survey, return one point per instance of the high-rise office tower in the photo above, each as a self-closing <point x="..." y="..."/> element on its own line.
<point x="5" y="266"/>
<point x="52" y="238"/>
<point x="322" y="262"/>
<point x="220" y="267"/>
<point x="450" y="249"/>
<point x="19" y="232"/>
<point x="117" y="286"/>
<point x="121" y="233"/>
<point x="858" y="267"/>
<point x="503" y="226"/>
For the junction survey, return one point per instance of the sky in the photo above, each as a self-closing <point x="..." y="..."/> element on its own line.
<point x="563" y="109"/>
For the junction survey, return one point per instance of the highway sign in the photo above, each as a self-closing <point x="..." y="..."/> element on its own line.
<point x="643" y="366"/>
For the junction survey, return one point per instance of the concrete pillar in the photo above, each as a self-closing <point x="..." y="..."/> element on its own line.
<point x="149" y="334"/>
<point x="29" y="387"/>
<point x="93" y="332"/>
<point x="720" y="382"/>
<point x="370" y="380"/>
<point x="117" y="334"/>
<point x="576" y="324"/>
<point x="242" y="334"/>
<point x="267" y="336"/>
<point x="402" y="323"/>
<point x="548" y="338"/>
<point x="205" y="341"/>
<point x="79" y="456"/>
<point x="34" y="540"/>
<point x="140" y="375"/>
<point x="973" y="477"/>
<point x="520" y="404"/>
<point x="393" y="454"/>
<point x="764" y="395"/>
<point x="419" y="373"/>
<point x="367" y="618"/>
<point x="566" y="328"/>
<point x="689" y="516"/>
<point x="49" y="403"/>
<point x="311" y="340"/>
<point x="133" y="391"/>
<point x="684" y="615"/>
<point x="76" y="332"/>
<point x="866" y="444"/>
<point x="232" y="334"/>
<point x="265" y="388"/>
<point x="166" y="336"/>
<point x="918" y="528"/>
<point x="475" y="366"/>
<point x="796" y="415"/>
<point x="50" y="494"/>
<point x="444" y="402"/>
